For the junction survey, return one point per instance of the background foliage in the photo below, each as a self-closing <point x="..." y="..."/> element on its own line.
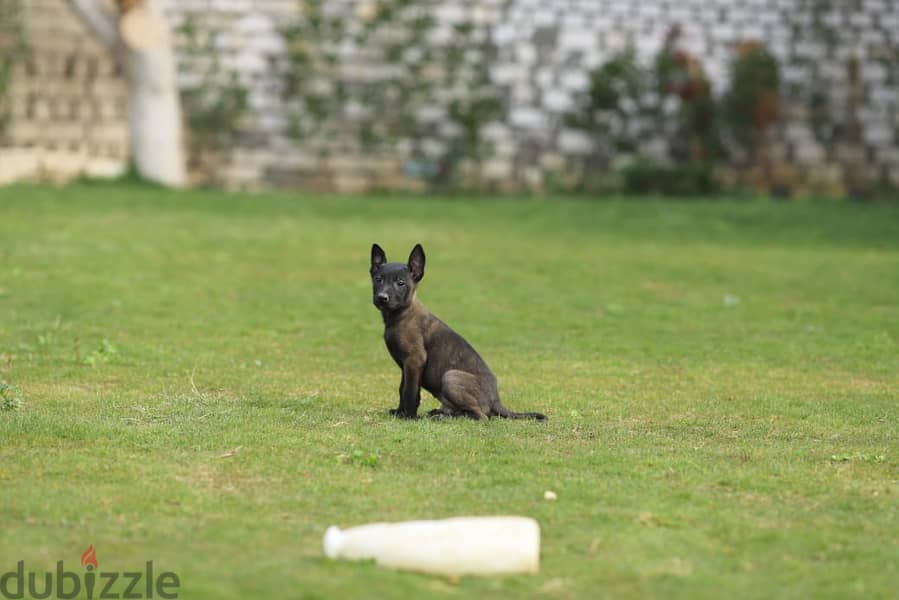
<point x="13" y="49"/>
<point x="389" y="90"/>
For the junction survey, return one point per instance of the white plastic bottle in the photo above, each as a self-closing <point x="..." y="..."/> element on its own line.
<point x="458" y="546"/>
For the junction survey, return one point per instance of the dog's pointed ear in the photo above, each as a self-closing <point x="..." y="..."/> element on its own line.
<point x="378" y="258"/>
<point x="417" y="263"/>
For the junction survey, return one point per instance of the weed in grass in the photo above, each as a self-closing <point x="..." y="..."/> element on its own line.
<point x="10" y="397"/>
<point x="47" y="339"/>
<point x="364" y="458"/>
<point x="859" y="457"/>
<point x="102" y="354"/>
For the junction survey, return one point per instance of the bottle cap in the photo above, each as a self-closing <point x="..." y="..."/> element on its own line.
<point x="333" y="541"/>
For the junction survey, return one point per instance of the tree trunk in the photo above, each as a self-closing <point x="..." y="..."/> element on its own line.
<point x="139" y="36"/>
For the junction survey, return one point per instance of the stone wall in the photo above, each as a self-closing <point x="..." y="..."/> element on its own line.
<point x="67" y="102"/>
<point x="540" y="54"/>
<point x="546" y="50"/>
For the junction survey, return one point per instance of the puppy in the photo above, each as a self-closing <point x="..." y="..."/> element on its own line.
<point x="431" y="355"/>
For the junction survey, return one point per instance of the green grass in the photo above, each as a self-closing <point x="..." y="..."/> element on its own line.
<point x="203" y="383"/>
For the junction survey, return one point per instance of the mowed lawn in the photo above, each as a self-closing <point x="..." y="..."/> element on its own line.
<point x="203" y="384"/>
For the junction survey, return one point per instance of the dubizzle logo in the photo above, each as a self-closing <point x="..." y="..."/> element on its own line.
<point x="19" y="584"/>
<point x="89" y="558"/>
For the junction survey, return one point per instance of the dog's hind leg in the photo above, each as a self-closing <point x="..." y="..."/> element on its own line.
<point x="460" y="392"/>
<point x="445" y="413"/>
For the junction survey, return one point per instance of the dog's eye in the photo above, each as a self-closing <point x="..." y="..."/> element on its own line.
<point x="379" y="280"/>
<point x="400" y="282"/>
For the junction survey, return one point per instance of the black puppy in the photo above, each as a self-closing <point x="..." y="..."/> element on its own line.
<point x="431" y="355"/>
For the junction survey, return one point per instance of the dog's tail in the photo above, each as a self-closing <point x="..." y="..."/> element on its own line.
<point x="505" y="413"/>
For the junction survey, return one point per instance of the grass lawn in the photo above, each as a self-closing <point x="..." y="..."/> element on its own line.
<point x="204" y="384"/>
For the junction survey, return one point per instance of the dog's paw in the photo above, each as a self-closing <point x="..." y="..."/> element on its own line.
<point x="395" y="412"/>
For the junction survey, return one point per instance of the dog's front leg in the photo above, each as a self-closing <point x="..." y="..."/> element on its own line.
<point x="398" y="411"/>
<point x="410" y="388"/>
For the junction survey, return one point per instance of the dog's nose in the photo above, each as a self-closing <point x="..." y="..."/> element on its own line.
<point x="381" y="299"/>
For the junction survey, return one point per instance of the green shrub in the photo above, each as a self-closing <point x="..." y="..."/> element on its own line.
<point x="680" y="74"/>
<point x="647" y="177"/>
<point x="627" y="104"/>
<point x="616" y="94"/>
<point x="751" y="105"/>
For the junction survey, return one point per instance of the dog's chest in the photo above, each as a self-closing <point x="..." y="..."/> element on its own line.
<point x="401" y="343"/>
